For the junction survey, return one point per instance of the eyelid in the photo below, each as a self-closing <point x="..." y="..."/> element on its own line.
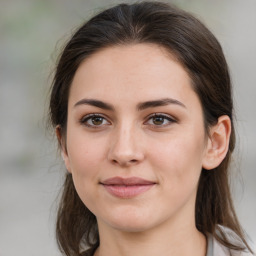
<point x="170" y="118"/>
<point x="85" y="118"/>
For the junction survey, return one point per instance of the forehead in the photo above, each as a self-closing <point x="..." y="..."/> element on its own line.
<point x="131" y="72"/>
<point x="130" y="59"/>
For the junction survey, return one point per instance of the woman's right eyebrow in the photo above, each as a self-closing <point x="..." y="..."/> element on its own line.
<point x="95" y="103"/>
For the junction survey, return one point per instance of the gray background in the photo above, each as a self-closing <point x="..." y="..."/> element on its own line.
<point x="30" y="169"/>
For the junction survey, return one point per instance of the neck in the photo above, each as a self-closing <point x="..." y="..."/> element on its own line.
<point x="182" y="240"/>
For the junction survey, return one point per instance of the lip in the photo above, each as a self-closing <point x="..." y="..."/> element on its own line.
<point x="127" y="187"/>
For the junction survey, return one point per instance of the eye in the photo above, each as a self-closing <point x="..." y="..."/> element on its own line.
<point x="94" y="121"/>
<point x="160" y="120"/>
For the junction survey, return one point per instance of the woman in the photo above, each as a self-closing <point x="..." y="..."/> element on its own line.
<point x="142" y="106"/>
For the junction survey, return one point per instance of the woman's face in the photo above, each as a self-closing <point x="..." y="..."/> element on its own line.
<point x="135" y="141"/>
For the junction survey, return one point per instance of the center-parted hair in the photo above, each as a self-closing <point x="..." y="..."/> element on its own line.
<point x="200" y="54"/>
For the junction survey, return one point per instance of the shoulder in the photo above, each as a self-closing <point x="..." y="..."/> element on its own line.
<point x="218" y="249"/>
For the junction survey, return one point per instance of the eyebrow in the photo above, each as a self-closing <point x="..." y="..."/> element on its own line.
<point x="96" y="103"/>
<point x="140" y="106"/>
<point x="159" y="103"/>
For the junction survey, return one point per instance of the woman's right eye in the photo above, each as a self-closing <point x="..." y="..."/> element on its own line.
<point x="94" y="121"/>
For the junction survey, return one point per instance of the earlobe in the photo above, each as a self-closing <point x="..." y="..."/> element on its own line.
<point x="62" y="144"/>
<point x="218" y="143"/>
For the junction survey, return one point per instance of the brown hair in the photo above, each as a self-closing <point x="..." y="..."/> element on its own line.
<point x="201" y="55"/>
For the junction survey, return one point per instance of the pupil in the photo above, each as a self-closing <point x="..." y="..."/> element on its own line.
<point x="158" y="120"/>
<point x="97" y="120"/>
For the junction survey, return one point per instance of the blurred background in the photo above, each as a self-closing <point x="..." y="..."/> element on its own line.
<point x="32" y="33"/>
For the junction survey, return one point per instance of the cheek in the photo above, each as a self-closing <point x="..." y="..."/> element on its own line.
<point x="179" y="158"/>
<point x="85" y="158"/>
<point x="85" y="154"/>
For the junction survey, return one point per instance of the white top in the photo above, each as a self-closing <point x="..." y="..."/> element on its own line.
<point x="214" y="248"/>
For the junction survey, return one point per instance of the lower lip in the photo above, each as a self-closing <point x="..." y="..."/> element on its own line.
<point x="122" y="191"/>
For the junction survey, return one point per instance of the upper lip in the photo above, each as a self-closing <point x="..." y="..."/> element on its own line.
<point x="127" y="181"/>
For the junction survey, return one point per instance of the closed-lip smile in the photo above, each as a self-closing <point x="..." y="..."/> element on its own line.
<point x="127" y="187"/>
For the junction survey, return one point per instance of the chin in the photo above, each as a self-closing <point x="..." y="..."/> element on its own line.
<point x="131" y="227"/>
<point x="130" y="221"/>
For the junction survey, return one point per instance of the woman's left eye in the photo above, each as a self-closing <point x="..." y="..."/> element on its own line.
<point x="160" y="120"/>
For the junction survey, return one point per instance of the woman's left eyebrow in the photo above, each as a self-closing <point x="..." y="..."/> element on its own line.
<point x="159" y="103"/>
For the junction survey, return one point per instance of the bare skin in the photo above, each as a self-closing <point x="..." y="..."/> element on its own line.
<point x="133" y="117"/>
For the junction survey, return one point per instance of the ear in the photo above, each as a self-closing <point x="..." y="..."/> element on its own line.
<point x="218" y="143"/>
<point x="62" y="143"/>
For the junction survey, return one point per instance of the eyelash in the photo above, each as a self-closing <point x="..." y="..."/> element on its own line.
<point x="169" y="119"/>
<point x="85" y="119"/>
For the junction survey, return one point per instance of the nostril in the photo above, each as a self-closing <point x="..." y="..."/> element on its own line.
<point x="124" y="163"/>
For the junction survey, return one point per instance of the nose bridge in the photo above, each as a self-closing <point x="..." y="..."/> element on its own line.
<point x="125" y="148"/>
<point x="123" y="141"/>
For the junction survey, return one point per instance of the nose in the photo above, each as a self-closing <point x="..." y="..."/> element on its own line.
<point x="126" y="147"/>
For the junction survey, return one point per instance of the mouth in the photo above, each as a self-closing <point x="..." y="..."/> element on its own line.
<point x="127" y="187"/>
